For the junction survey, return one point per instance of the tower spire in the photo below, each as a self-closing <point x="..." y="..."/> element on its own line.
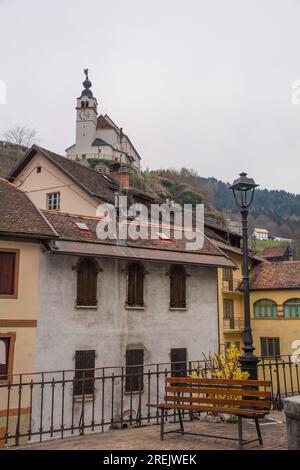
<point x="87" y="85"/>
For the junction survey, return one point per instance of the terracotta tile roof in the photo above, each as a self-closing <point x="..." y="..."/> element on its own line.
<point x="67" y="229"/>
<point x="227" y="247"/>
<point x="274" y="251"/>
<point x="276" y="275"/>
<point x="19" y="216"/>
<point x="96" y="184"/>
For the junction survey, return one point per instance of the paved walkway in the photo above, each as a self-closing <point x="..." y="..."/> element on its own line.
<point x="147" y="437"/>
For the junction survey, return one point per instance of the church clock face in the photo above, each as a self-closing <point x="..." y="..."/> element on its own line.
<point x="84" y="115"/>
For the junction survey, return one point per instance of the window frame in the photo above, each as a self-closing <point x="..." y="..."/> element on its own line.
<point x="184" y="276"/>
<point x="273" y="304"/>
<point x="80" y="372"/>
<point x="179" y="368"/>
<point x="11" y="355"/>
<point x="289" y="304"/>
<point x="129" y="381"/>
<point x="267" y="347"/>
<point x="16" y="252"/>
<point x="135" y="305"/>
<point x="97" y="270"/>
<point x="48" y="196"/>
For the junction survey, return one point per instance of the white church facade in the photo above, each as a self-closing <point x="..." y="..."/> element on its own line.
<point x="97" y="136"/>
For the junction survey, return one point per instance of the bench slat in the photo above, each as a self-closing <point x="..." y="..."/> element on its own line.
<point x="199" y="408"/>
<point x="218" y="391"/>
<point x="200" y="380"/>
<point x="226" y="401"/>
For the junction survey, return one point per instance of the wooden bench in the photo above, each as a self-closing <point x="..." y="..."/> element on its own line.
<point x="246" y="399"/>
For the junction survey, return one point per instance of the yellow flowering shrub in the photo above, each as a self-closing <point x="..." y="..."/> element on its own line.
<point x="221" y="366"/>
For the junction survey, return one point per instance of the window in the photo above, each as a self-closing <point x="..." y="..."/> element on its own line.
<point x="4" y="357"/>
<point x="291" y="308"/>
<point x="134" y="370"/>
<point x="87" y="271"/>
<point x="178" y="362"/>
<point x="135" y="285"/>
<point x="270" y="346"/>
<point x="8" y="273"/>
<point x="265" y="308"/>
<point x="227" y="275"/>
<point x="53" y="201"/>
<point x="177" y="287"/>
<point x="228" y="308"/>
<point x="38" y="169"/>
<point x="84" y="369"/>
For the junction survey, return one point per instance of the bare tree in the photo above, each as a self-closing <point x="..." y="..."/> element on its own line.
<point x="21" y="135"/>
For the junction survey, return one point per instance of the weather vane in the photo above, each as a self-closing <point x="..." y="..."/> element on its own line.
<point x="86" y="72"/>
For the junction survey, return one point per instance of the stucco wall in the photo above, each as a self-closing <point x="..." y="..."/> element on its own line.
<point x="13" y="312"/>
<point x="287" y="329"/>
<point x="63" y="329"/>
<point x="49" y="180"/>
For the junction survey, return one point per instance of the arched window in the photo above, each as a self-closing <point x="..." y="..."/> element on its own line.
<point x="135" y="285"/>
<point x="265" y="308"/>
<point x="82" y="104"/>
<point x="177" y="287"/>
<point x="87" y="271"/>
<point x="291" y="308"/>
<point x="86" y="104"/>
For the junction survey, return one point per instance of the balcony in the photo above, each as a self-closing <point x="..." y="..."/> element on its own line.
<point x="233" y="324"/>
<point x="231" y="285"/>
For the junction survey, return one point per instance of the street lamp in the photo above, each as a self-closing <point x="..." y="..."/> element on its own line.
<point x="243" y="190"/>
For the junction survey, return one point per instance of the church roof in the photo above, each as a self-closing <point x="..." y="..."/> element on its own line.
<point x="105" y="122"/>
<point x="96" y="184"/>
<point x="99" y="142"/>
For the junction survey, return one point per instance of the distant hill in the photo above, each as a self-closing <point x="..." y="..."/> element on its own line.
<point x="276" y="210"/>
<point x="10" y="154"/>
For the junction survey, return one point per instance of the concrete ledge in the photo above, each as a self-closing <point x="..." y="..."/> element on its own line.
<point x="292" y="412"/>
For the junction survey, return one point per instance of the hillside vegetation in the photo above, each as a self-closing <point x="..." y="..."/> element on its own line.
<point x="276" y="210"/>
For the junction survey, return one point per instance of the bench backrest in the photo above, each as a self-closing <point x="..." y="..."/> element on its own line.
<point x="198" y="391"/>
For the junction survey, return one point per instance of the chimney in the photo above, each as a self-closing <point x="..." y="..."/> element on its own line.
<point x="122" y="178"/>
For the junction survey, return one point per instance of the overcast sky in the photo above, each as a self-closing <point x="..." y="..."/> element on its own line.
<point x="195" y="83"/>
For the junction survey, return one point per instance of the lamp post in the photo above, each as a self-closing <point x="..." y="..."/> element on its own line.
<point x="243" y="190"/>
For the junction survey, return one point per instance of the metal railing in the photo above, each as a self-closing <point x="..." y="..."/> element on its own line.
<point x="41" y="406"/>
<point x="233" y="324"/>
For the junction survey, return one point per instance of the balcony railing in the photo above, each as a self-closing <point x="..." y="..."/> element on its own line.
<point x="233" y="324"/>
<point x="231" y="285"/>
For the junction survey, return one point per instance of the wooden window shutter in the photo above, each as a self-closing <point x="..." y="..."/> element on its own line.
<point x="177" y="287"/>
<point x="87" y="283"/>
<point x="84" y="360"/>
<point x="134" y="370"/>
<point x="4" y="357"/>
<point x="135" y="287"/>
<point x="7" y="273"/>
<point x="178" y="362"/>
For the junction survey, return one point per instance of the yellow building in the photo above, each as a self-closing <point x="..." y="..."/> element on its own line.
<point x="275" y="307"/>
<point x="22" y="228"/>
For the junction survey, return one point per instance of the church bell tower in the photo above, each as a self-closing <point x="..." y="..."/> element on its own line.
<point x="86" y="118"/>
